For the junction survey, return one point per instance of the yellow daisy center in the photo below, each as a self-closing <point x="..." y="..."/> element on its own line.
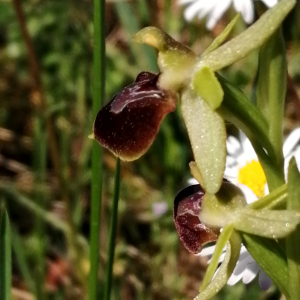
<point x="253" y="176"/>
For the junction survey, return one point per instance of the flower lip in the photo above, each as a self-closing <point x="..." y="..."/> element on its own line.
<point x="192" y="232"/>
<point x="145" y="85"/>
<point x="128" y="124"/>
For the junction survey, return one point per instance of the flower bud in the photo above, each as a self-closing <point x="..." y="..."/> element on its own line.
<point x="193" y="233"/>
<point x="128" y="124"/>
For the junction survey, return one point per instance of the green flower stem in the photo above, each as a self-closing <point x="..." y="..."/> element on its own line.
<point x="112" y="235"/>
<point x="220" y="279"/>
<point x="271" y="90"/>
<point x="293" y="240"/>
<point x="222" y="240"/>
<point x="96" y="185"/>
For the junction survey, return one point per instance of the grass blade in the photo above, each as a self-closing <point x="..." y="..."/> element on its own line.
<point x="5" y="256"/>
<point x="271" y="89"/>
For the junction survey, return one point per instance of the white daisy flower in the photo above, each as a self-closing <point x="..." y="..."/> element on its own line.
<point x="244" y="170"/>
<point x="214" y="9"/>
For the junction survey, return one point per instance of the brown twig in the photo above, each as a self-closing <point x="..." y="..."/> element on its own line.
<point x="37" y="97"/>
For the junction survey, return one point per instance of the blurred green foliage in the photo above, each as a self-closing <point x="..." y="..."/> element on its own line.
<point x="150" y="262"/>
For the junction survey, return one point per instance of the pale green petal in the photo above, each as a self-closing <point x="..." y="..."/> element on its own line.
<point x="207" y="133"/>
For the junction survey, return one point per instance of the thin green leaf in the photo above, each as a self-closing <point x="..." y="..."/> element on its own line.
<point x="275" y="199"/>
<point x="293" y="241"/>
<point x="207" y="134"/>
<point x="249" y="40"/>
<point x="240" y="111"/>
<point x="221" y="277"/>
<point x="222" y="37"/>
<point x="112" y="234"/>
<point x="269" y="255"/>
<point x="5" y="255"/>
<point x="271" y="89"/>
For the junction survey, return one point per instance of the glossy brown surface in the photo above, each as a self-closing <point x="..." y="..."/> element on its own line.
<point x="192" y="232"/>
<point x="128" y="124"/>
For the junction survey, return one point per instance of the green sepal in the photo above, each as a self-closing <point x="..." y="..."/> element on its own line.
<point x="293" y="241"/>
<point x="175" y="60"/>
<point x="207" y="86"/>
<point x="231" y="257"/>
<point x="249" y="40"/>
<point x="5" y="255"/>
<point x="222" y="37"/>
<point x="266" y="223"/>
<point x="207" y="133"/>
<point x="270" y="256"/>
<point x="271" y="89"/>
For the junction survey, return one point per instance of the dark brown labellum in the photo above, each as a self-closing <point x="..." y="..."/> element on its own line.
<point x="192" y="232"/>
<point x="128" y="124"/>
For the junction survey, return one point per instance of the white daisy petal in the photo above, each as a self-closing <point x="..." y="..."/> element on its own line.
<point x="230" y="161"/>
<point x="250" y="272"/>
<point x="270" y="3"/>
<point x="266" y="189"/>
<point x="208" y="251"/>
<point x="217" y="12"/>
<point x="233" y="145"/>
<point x="192" y="181"/>
<point x="194" y="9"/>
<point x="236" y="277"/>
<point x="239" y="269"/>
<point x="246" y="8"/>
<point x="210" y="4"/>
<point x="248" y="193"/>
<point x="182" y="2"/>
<point x="291" y="141"/>
<point x="297" y="157"/>
<point x="264" y="280"/>
<point x="221" y="258"/>
<point x="231" y="173"/>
